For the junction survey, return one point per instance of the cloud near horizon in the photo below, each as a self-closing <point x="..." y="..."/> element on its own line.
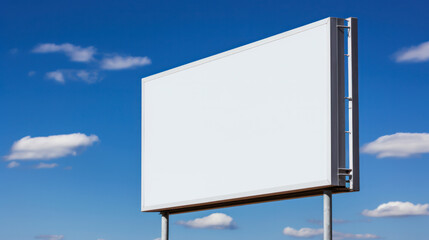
<point x="312" y="232"/>
<point x="303" y="232"/>
<point x="213" y="221"/>
<point x="418" y="53"/>
<point x="398" y="209"/>
<point x="49" y="147"/>
<point x="398" y="145"/>
<point x="50" y="237"/>
<point x="75" y="53"/>
<point x="119" y="62"/>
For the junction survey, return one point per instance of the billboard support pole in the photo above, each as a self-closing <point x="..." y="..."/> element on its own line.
<point x="164" y="225"/>
<point x="327" y="215"/>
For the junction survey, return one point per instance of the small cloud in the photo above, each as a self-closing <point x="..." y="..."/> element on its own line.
<point x="119" y="62"/>
<point x="56" y="75"/>
<point x="398" y="145"/>
<point x="340" y="236"/>
<point x="68" y="168"/>
<point x="45" y="148"/>
<point x="418" y="53"/>
<point x="303" y="232"/>
<point x="46" y="165"/>
<point x="213" y="221"/>
<point x="76" y="75"/>
<point x="75" y="53"/>
<point x="157" y="239"/>
<point x="50" y="237"/>
<point x="87" y="76"/>
<point x="313" y="232"/>
<point x="31" y="73"/>
<point x="88" y="55"/>
<point x="398" y="209"/>
<point x="13" y="164"/>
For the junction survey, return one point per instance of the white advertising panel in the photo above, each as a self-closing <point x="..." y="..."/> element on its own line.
<point x="258" y="121"/>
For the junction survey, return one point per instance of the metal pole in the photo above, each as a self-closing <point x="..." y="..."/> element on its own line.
<point x="327" y="215"/>
<point x="164" y="226"/>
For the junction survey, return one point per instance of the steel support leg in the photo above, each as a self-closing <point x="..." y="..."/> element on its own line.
<point x="327" y="215"/>
<point x="164" y="226"/>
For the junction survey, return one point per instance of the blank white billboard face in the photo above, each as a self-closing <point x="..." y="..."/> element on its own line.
<point x="254" y="121"/>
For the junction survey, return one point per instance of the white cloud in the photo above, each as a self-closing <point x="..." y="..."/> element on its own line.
<point x="13" y="164"/>
<point x="157" y="239"/>
<point x="119" y="62"/>
<point x="303" y="232"/>
<point x="50" y="237"/>
<point x="418" y="53"/>
<point x="339" y="236"/>
<point x="398" y="209"/>
<point x="312" y="232"/>
<point x="398" y="145"/>
<point x="77" y="75"/>
<point x="57" y="75"/>
<point x="214" y="221"/>
<point x="55" y="146"/>
<point x="87" y="54"/>
<point x="90" y="74"/>
<point x="75" y="53"/>
<point x="87" y="76"/>
<point x="45" y="165"/>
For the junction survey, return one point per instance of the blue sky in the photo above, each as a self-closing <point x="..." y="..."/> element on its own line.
<point x="87" y="81"/>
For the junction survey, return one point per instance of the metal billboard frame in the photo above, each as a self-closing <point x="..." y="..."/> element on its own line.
<point x="346" y="179"/>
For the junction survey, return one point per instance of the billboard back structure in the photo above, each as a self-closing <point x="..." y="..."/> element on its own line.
<point x="261" y="122"/>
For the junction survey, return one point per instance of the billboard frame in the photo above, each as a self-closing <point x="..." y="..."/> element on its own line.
<point x="339" y="172"/>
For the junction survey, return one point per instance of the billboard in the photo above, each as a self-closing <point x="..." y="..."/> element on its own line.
<point x="261" y="122"/>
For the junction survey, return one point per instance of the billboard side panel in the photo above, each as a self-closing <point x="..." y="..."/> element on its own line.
<point x="337" y="100"/>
